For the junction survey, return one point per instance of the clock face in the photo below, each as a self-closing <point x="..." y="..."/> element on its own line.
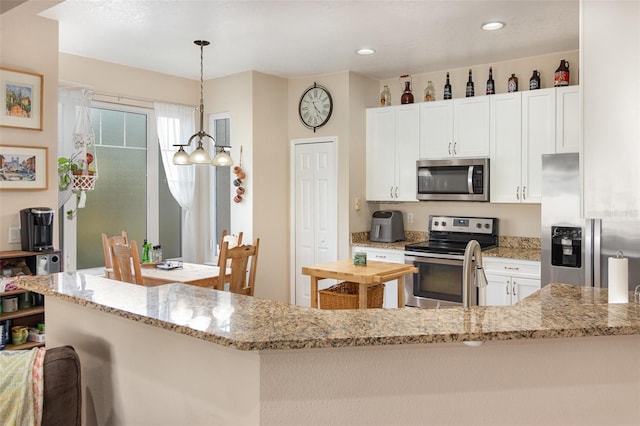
<point x="315" y="107"/>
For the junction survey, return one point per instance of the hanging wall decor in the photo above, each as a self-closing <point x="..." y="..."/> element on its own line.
<point x="22" y="94"/>
<point x="237" y="182"/>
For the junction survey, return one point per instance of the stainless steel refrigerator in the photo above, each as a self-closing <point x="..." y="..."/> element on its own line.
<point x="576" y="250"/>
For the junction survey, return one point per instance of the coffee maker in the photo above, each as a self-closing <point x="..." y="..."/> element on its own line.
<point x="36" y="229"/>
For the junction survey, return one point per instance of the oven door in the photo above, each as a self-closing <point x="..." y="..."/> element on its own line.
<point x="438" y="282"/>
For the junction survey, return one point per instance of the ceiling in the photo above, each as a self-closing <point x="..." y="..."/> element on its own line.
<point x="301" y="38"/>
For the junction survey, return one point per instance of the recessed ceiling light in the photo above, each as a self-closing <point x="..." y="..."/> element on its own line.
<point x="365" y="51"/>
<point x="492" y="26"/>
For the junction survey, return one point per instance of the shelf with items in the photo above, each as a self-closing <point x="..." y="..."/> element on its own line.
<point x="19" y="262"/>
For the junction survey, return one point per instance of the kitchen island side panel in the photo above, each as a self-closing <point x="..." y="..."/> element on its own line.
<point x="568" y="381"/>
<point x="137" y="374"/>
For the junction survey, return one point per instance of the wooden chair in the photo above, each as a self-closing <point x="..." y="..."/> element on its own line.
<point x="107" y="242"/>
<point x="126" y="263"/>
<point x="227" y="237"/>
<point x="243" y="258"/>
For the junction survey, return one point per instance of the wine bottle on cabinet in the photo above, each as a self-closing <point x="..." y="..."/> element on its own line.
<point x="469" y="92"/>
<point x="385" y="96"/>
<point x="491" y="87"/>
<point x="447" y="89"/>
<point x="561" y="77"/>
<point x="512" y="84"/>
<point x="534" y="81"/>
<point x="429" y="92"/>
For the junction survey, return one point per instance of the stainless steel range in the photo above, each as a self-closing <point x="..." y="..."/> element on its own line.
<point x="438" y="282"/>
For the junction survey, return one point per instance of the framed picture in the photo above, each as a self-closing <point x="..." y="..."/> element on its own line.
<point x="22" y="94"/>
<point x="23" y="167"/>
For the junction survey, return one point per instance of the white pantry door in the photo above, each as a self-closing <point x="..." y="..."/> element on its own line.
<point x="315" y="210"/>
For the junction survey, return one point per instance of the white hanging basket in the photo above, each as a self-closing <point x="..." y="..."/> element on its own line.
<point x="84" y="182"/>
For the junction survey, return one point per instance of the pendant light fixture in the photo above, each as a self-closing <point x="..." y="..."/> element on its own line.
<point x="200" y="155"/>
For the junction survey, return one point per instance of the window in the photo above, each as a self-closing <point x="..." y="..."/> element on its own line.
<point x="131" y="192"/>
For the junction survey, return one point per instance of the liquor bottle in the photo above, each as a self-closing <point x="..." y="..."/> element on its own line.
<point x="429" y="92"/>
<point x="512" y="84"/>
<point x="447" y="89"/>
<point x="534" y="81"/>
<point x="385" y="96"/>
<point x="407" y="96"/>
<point x="561" y="77"/>
<point x="491" y="87"/>
<point x="469" y="91"/>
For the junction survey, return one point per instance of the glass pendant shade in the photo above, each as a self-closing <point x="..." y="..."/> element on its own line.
<point x="199" y="155"/>
<point x="181" y="157"/>
<point x="222" y="159"/>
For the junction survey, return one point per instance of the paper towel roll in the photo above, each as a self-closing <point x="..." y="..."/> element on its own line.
<point x="618" y="280"/>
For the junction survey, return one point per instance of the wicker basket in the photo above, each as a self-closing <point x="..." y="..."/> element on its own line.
<point x="344" y="295"/>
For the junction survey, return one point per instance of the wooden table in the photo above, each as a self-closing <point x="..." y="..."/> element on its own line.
<point x="371" y="274"/>
<point x="190" y="273"/>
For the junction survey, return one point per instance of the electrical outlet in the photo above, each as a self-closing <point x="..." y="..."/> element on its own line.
<point x="14" y="235"/>
<point x="357" y="204"/>
<point x="409" y="217"/>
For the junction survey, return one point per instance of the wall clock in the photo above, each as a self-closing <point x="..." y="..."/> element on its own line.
<point x="315" y="107"/>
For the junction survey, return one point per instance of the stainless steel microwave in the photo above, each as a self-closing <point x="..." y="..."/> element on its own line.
<point x="459" y="179"/>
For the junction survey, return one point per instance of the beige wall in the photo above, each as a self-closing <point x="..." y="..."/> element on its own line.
<point x="30" y="43"/>
<point x="271" y="185"/>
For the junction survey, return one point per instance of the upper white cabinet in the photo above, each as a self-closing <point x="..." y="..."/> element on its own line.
<point x="610" y="40"/>
<point x="568" y="119"/>
<point x="523" y="127"/>
<point x="392" y="150"/>
<point x="458" y="128"/>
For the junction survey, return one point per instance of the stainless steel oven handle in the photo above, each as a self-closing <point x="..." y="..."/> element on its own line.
<point x="470" y="179"/>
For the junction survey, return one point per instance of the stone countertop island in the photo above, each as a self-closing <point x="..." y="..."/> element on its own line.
<point x="207" y="357"/>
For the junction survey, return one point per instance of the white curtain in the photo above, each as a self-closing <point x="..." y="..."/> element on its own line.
<point x="175" y="125"/>
<point x="70" y="102"/>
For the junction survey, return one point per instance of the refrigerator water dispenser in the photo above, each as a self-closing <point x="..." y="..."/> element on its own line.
<point x="566" y="246"/>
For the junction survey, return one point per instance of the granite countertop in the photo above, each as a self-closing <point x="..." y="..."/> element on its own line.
<point x="249" y="323"/>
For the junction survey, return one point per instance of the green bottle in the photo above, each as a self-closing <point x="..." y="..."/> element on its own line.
<point x="146" y="247"/>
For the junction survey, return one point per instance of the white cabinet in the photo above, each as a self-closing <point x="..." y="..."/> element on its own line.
<point x="392" y="150"/>
<point x="568" y="119"/>
<point x="523" y="127"/>
<point x="610" y="36"/>
<point x="458" y="128"/>
<point x="509" y="280"/>
<point x="385" y="255"/>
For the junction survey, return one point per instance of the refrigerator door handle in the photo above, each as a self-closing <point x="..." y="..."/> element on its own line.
<point x="597" y="251"/>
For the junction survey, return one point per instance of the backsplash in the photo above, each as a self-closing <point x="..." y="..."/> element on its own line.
<point x="530" y="243"/>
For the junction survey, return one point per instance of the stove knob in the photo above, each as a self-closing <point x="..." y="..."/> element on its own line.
<point x="486" y="225"/>
<point x="436" y="223"/>
<point x="478" y="225"/>
<point x="444" y="223"/>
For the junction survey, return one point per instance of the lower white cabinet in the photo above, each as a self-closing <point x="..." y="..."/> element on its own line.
<point x="509" y="280"/>
<point x="385" y="255"/>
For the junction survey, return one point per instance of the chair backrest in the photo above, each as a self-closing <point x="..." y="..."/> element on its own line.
<point x="126" y="263"/>
<point x="107" y="242"/>
<point x="231" y="239"/>
<point x="243" y="258"/>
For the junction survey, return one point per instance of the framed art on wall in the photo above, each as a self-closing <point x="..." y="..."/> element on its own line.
<point x="22" y="94"/>
<point x="23" y="167"/>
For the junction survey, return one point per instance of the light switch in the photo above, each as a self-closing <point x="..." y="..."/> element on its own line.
<point x="409" y="217"/>
<point x="14" y="235"/>
<point x="357" y="204"/>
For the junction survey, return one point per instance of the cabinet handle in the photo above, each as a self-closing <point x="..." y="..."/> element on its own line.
<point x="515" y="285"/>
<point x="454" y="148"/>
<point x="396" y="193"/>
<point x="524" y="193"/>
<point x="518" y="192"/>
<point x="449" y="148"/>
<point x="507" y="288"/>
<point x="380" y="256"/>
<point x="391" y="192"/>
<point x="512" y="268"/>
